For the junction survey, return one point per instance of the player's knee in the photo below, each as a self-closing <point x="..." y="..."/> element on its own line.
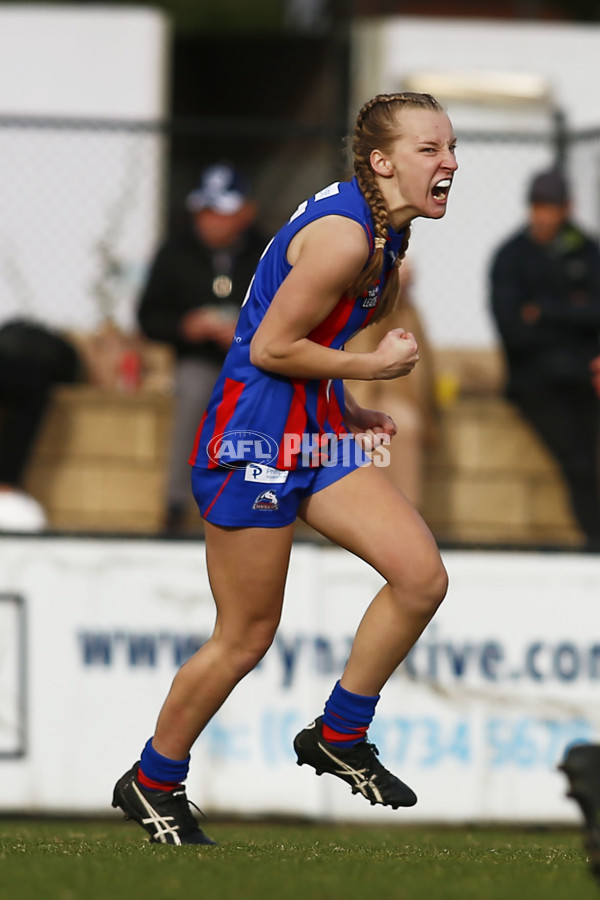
<point x="424" y="587"/>
<point x="258" y="639"/>
<point x="438" y="586"/>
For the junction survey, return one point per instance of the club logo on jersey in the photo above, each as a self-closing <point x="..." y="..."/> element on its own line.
<point x="233" y="448"/>
<point x="371" y="297"/>
<point x="266" y="501"/>
<point x="265" y="474"/>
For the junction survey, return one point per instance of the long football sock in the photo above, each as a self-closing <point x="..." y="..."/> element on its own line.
<point x="347" y="717"/>
<point x="158" y="772"/>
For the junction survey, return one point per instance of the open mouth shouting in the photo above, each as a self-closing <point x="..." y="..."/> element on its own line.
<point x="441" y="190"/>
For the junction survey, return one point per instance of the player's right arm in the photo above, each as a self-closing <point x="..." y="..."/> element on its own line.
<point x="326" y="256"/>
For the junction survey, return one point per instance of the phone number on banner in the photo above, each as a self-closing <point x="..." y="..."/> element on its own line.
<point x="523" y="742"/>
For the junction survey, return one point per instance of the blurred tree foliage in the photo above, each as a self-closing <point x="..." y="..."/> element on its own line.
<point x="210" y="16"/>
<point x="220" y="16"/>
<point x="265" y="16"/>
<point x="249" y="17"/>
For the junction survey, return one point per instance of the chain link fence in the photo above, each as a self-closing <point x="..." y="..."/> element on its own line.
<point x="83" y="206"/>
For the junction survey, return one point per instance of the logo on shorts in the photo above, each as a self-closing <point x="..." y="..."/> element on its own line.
<point x="265" y="474"/>
<point x="266" y="500"/>
<point x="233" y="448"/>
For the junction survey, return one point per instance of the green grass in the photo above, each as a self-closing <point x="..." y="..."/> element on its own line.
<point x="48" y="860"/>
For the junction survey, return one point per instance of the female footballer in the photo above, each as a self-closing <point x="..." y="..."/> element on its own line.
<point x="326" y="274"/>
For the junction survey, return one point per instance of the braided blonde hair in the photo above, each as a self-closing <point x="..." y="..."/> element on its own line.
<point x="377" y="127"/>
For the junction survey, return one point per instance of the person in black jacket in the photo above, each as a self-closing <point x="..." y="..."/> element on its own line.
<point x="545" y="298"/>
<point x="581" y="765"/>
<point x="33" y="360"/>
<point x="25" y="390"/>
<point x="192" y="298"/>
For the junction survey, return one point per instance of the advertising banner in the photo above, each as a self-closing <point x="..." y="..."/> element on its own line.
<point x="475" y="720"/>
<point x="12" y="676"/>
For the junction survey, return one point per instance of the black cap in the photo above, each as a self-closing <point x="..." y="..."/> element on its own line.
<point x="222" y="188"/>
<point x="549" y="187"/>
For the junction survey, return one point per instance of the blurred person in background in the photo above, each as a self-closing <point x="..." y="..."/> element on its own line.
<point x="32" y="360"/>
<point x="581" y="765"/>
<point x="545" y="298"/>
<point x="411" y="401"/>
<point x="191" y="301"/>
<point x="24" y="396"/>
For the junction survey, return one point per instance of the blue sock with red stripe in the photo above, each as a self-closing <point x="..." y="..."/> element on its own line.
<point x="347" y="717"/>
<point x="158" y="772"/>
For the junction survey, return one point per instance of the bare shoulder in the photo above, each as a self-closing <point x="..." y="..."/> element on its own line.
<point x="338" y="237"/>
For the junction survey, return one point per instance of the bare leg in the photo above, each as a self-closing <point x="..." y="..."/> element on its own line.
<point x="365" y="514"/>
<point x="247" y="569"/>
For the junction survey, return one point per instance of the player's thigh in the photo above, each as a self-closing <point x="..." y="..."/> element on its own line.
<point x="369" y="516"/>
<point x="247" y="568"/>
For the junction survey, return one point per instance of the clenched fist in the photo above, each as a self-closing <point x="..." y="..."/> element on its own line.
<point x="396" y="354"/>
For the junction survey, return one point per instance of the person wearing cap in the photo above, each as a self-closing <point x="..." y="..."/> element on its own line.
<point x="191" y="300"/>
<point x="545" y="299"/>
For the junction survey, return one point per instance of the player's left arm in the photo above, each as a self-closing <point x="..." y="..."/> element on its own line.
<point x="326" y="257"/>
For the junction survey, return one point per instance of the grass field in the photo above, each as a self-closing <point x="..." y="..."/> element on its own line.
<point x="112" y="861"/>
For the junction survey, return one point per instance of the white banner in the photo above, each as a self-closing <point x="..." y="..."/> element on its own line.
<point x="12" y="676"/>
<point x="92" y="632"/>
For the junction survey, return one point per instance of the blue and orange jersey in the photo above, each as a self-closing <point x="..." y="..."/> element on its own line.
<point x="247" y="401"/>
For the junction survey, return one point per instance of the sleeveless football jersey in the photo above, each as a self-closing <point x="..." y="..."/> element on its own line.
<point x="259" y="416"/>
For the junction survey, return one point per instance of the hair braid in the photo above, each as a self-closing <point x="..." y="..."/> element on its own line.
<point x="377" y="127"/>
